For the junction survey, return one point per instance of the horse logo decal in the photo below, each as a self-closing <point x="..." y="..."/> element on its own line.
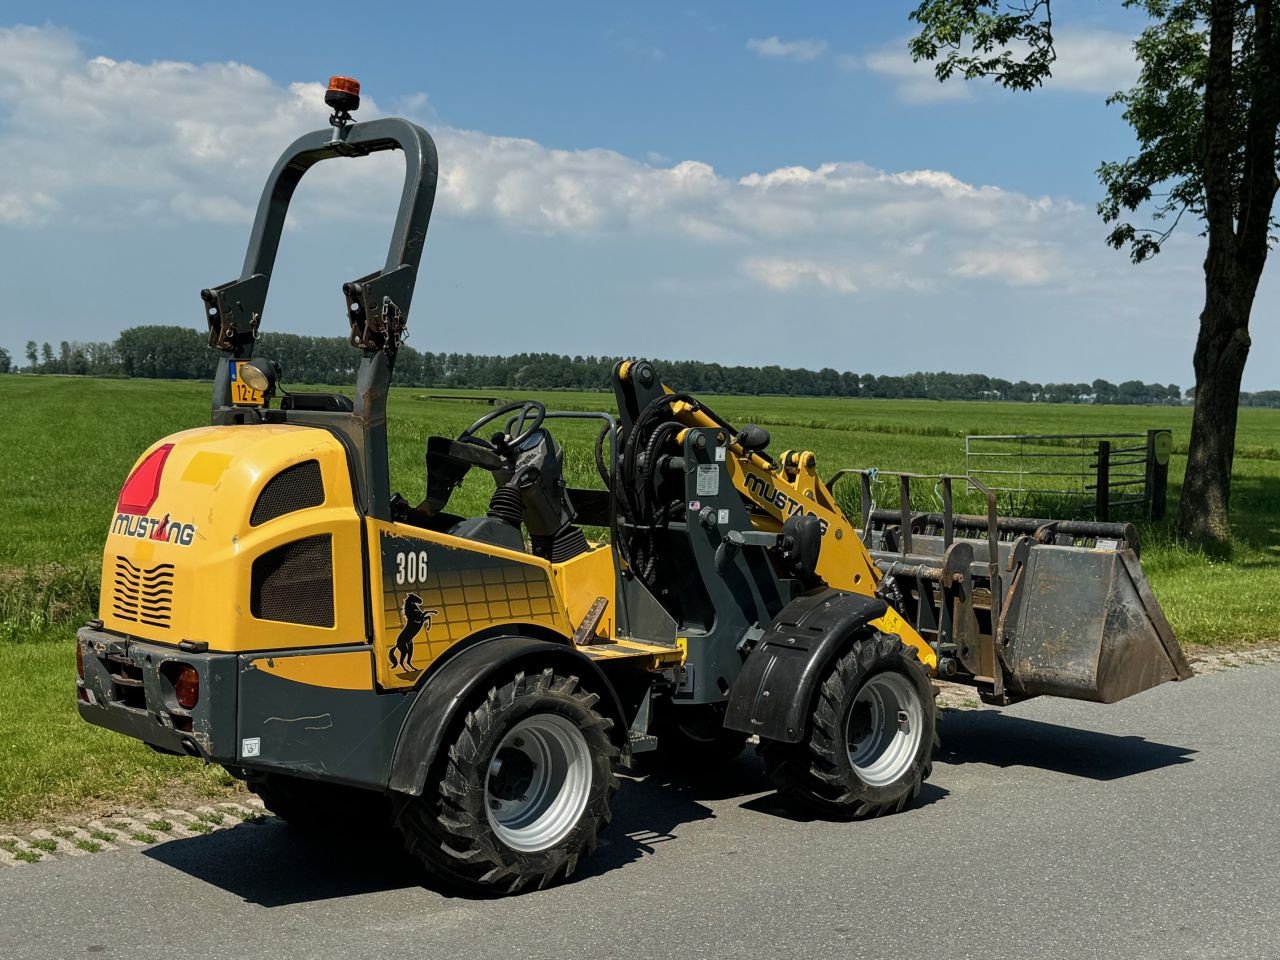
<point x="415" y="619"/>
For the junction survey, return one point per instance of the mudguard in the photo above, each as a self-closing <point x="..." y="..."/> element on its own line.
<point x="465" y="675"/>
<point x="773" y="694"/>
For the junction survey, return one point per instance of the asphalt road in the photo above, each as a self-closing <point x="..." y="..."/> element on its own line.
<point x="1146" y="829"/>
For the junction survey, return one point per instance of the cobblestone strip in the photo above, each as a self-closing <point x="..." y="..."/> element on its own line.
<point x="116" y="831"/>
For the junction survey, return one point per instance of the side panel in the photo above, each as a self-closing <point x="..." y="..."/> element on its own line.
<point x="431" y="590"/>
<point x="317" y="714"/>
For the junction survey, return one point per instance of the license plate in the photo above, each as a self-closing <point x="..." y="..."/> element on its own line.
<point x="242" y="395"/>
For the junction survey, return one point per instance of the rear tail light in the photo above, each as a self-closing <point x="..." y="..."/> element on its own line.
<point x="143" y="486"/>
<point x="186" y="688"/>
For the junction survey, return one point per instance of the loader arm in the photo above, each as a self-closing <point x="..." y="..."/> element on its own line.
<point x="775" y="491"/>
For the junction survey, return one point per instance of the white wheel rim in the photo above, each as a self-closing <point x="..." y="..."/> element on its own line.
<point x="884" y="728"/>
<point x="538" y="782"/>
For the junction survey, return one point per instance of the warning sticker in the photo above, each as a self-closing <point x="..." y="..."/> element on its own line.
<point x="723" y="518"/>
<point x="719" y="454"/>
<point x="708" y="480"/>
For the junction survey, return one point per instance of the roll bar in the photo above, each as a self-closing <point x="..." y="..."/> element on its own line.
<point x="377" y="304"/>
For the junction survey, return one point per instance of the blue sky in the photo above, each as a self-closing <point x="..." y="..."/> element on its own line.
<point x="748" y="183"/>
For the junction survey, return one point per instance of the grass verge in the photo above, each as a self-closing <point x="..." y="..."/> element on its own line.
<point x="52" y="762"/>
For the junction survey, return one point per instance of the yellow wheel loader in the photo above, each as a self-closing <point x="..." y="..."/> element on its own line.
<point x="472" y="683"/>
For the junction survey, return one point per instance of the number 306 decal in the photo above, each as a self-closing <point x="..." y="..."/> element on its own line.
<point x="411" y="567"/>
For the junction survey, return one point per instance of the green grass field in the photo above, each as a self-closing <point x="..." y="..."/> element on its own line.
<point x="70" y="442"/>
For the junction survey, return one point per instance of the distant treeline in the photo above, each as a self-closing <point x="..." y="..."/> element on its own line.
<point x="181" y="353"/>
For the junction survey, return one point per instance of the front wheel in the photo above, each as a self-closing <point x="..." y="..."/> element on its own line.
<point x="872" y="734"/>
<point x="524" y="788"/>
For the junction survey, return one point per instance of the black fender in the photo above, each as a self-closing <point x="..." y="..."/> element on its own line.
<point x="446" y="692"/>
<point x="773" y="694"/>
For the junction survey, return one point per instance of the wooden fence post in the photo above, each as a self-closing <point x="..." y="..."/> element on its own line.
<point x="1102" y="492"/>
<point x="1156" y="490"/>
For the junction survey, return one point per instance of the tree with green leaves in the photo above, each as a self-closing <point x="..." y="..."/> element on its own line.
<point x="1206" y="113"/>
<point x="32" y="355"/>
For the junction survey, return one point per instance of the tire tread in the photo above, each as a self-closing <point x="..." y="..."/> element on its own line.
<point x="813" y="774"/>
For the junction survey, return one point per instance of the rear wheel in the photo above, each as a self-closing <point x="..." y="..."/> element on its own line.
<point x="523" y="788"/>
<point x="872" y="734"/>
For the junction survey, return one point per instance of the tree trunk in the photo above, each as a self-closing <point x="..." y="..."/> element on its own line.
<point x="1221" y="351"/>
<point x="1232" y="266"/>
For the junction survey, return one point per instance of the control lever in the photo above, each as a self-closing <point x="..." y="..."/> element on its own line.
<point x="735" y="540"/>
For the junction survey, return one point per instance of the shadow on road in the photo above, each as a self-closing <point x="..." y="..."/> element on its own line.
<point x="1001" y="740"/>
<point x="273" y="865"/>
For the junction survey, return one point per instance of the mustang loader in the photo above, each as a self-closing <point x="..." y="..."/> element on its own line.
<point x="268" y="604"/>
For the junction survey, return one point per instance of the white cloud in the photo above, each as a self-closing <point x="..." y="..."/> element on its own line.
<point x="775" y="47"/>
<point x="778" y="273"/>
<point x="1017" y="267"/>
<point x="97" y="141"/>
<point x="787" y="274"/>
<point x="26" y="209"/>
<point x="1094" y="61"/>
<point x="915" y="82"/>
<point x="1089" y="61"/>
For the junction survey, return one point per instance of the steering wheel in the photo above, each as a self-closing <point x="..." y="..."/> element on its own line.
<point x="528" y="417"/>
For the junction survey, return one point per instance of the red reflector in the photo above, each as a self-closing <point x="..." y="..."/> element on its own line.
<point x="79" y="659"/>
<point x="143" y="486"/>
<point x="187" y="688"/>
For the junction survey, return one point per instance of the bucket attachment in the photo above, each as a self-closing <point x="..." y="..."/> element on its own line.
<point x="1083" y="623"/>
<point x="1020" y="607"/>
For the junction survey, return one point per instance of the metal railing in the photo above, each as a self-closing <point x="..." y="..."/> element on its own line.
<point x="1107" y="473"/>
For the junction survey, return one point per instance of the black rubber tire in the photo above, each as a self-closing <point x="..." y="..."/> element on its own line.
<point x="817" y="774"/>
<point x="693" y="737"/>
<point x="330" y="809"/>
<point x="446" y="828"/>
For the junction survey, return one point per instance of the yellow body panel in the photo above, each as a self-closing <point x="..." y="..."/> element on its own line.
<point x="584" y="579"/>
<point x="457" y="588"/>
<point x="209" y="485"/>
<point x="340" y="670"/>
<point x="463" y="588"/>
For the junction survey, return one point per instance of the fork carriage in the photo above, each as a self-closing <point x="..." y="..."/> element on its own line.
<point x="1020" y="607"/>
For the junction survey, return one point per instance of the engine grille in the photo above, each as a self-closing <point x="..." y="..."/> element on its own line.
<point x="293" y="488"/>
<point x="143" y="594"/>
<point x="294" y="583"/>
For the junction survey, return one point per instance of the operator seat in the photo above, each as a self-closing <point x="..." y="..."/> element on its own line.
<point x="490" y="530"/>
<point x="448" y="462"/>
